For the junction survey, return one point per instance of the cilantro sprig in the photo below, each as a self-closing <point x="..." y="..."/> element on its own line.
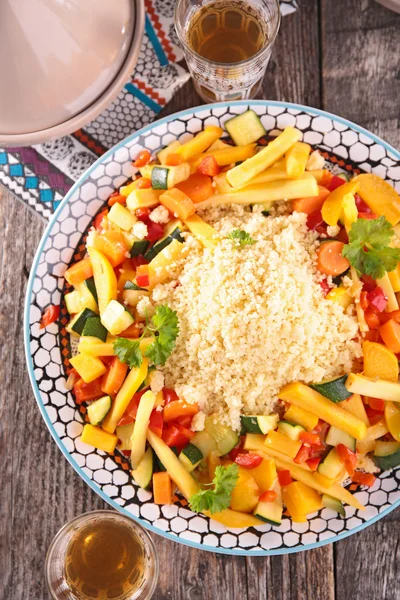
<point x="163" y="327"/>
<point x="368" y="250"/>
<point x="240" y="238"/>
<point x="219" y="497"/>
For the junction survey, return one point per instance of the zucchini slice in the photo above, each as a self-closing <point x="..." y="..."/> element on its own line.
<point x="190" y="457"/>
<point x="292" y="430"/>
<point x="116" y="318"/>
<point x="139" y="248"/>
<point x="259" y="424"/>
<point x="245" y="128"/>
<point x="204" y="442"/>
<point x="138" y="439"/>
<point x="92" y="288"/>
<point x="334" y="389"/>
<point x="269" y="512"/>
<point x="164" y="178"/>
<point x="78" y="322"/>
<point x="331" y="466"/>
<point x="98" y="409"/>
<point x="94" y="328"/>
<point x="333" y="504"/>
<point x="144" y="471"/>
<point x="337" y="436"/>
<point x="225" y="438"/>
<point x="158" y="466"/>
<point x="387" y="455"/>
<point x="172" y="232"/>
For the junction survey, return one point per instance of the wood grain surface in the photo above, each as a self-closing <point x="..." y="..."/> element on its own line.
<point x="334" y="54"/>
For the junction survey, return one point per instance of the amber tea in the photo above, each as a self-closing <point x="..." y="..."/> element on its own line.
<point x="104" y="559"/>
<point x="227" y="31"/>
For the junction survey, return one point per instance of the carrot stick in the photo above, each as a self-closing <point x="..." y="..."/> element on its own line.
<point x="177" y="408"/>
<point x="390" y="333"/>
<point x="113" y="380"/>
<point x="330" y="260"/>
<point x="78" y="272"/>
<point x="311" y="204"/>
<point x="162" y="489"/>
<point x="133" y="331"/>
<point x="198" y="187"/>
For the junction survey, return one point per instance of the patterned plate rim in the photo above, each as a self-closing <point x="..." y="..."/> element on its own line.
<point x="28" y="298"/>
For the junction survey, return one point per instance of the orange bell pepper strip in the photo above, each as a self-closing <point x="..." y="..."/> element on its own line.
<point x="162" y="488"/>
<point x="390" y="333"/>
<point x="198" y="187"/>
<point x="114" y="378"/>
<point x="178" y="408"/>
<point x="78" y="272"/>
<point x="112" y="244"/>
<point x="178" y="203"/>
<point x="311" y="204"/>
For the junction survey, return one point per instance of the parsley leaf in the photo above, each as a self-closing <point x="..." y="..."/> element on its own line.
<point x="165" y="326"/>
<point x="219" y="498"/>
<point x="368" y="250"/>
<point x="241" y="238"/>
<point x="128" y="351"/>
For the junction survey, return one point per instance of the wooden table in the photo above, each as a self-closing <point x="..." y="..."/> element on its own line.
<point x="337" y="55"/>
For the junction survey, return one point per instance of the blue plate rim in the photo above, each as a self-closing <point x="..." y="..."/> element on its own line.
<point x="28" y="297"/>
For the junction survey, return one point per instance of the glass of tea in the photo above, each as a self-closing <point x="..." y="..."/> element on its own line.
<point x="101" y="555"/>
<point x="227" y="44"/>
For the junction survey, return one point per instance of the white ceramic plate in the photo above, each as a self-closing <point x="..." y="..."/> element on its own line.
<point x="349" y="148"/>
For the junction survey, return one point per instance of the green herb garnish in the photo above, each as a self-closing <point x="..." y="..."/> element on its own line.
<point x="241" y="238"/>
<point x="368" y="250"/>
<point x="217" y="498"/>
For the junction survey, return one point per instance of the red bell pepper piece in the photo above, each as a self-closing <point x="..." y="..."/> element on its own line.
<point x="369" y="216"/>
<point x="142" y="276"/>
<point x="169" y="395"/>
<point x="116" y="198"/>
<point x="313" y="462"/>
<point x="372" y="318"/>
<point x="99" y="219"/>
<point x="249" y="460"/>
<point x="374" y="416"/>
<point x="209" y="166"/>
<point x="335" y="182"/>
<point x="314" y="220"/>
<point x="137" y="261"/>
<point x="185" y="421"/>
<point x="325" y="287"/>
<point x="376" y="404"/>
<point x="130" y="414"/>
<point x="173" y="437"/>
<point x="312" y="439"/>
<point x="188" y="433"/>
<point x="143" y="214"/>
<point x="377" y="299"/>
<point x="84" y="392"/>
<point x="156" y="422"/>
<point x="142" y="159"/>
<point x="155" y="231"/>
<point x="347" y="457"/>
<point x="237" y="450"/>
<point x="362" y="206"/>
<point x="319" y="426"/>
<point x="50" y="316"/>
<point x="302" y="455"/>
<point x="284" y="477"/>
<point x="268" y="496"/>
<point x="369" y="284"/>
<point x="363" y="300"/>
<point x="372" y="335"/>
<point x="364" y="478"/>
<point x="143" y="183"/>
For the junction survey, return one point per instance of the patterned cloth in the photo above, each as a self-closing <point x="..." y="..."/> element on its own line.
<point x="41" y="175"/>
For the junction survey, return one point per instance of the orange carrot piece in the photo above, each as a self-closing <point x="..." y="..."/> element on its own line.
<point x="162" y="488"/>
<point x="311" y="204"/>
<point x="177" y="408"/>
<point x="198" y="187"/>
<point x="133" y="331"/>
<point x="173" y="160"/>
<point x="390" y="333"/>
<point x="114" y="378"/>
<point x="178" y="203"/>
<point x="323" y="176"/>
<point x="79" y="272"/>
<point x="330" y="260"/>
<point x="112" y="244"/>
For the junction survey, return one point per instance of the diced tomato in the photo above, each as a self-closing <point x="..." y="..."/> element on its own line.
<point x="369" y="284"/>
<point x="347" y="457"/>
<point x="209" y="166"/>
<point x="319" y="426"/>
<point x="372" y="318"/>
<point x="116" y="198"/>
<point x="249" y="460"/>
<point x="373" y="415"/>
<point x="362" y="207"/>
<point x="313" y="462"/>
<point x="312" y="439"/>
<point x="314" y="220"/>
<point x="169" y="395"/>
<point x="188" y="433"/>
<point x="335" y="182"/>
<point x="284" y="477"/>
<point x="376" y="404"/>
<point x="268" y="496"/>
<point x="302" y="455"/>
<point x="132" y="408"/>
<point x="237" y="450"/>
<point x="137" y="261"/>
<point x="364" y="478"/>
<point x="173" y="437"/>
<point x="143" y="214"/>
<point x="143" y="183"/>
<point x="342" y="236"/>
<point x="369" y="216"/>
<point x="142" y="159"/>
<point x="99" y="219"/>
<point x="363" y="300"/>
<point x="50" y="316"/>
<point x="156" y="422"/>
<point x="155" y="231"/>
<point x="142" y="276"/>
<point x="173" y="160"/>
<point x="377" y="299"/>
<point x="185" y="421"/>
<point x="325" y="286"/>
<point x="84" y="392"/>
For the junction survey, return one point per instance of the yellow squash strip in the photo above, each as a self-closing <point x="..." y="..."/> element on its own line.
<point x="380" y="362"/>
<point x="341" y="296"/>
<point x="394" y="277"/>
<point x="228" y="155"/>
<point x="355" y="406"/>
<point x="392" y="418"/>
<point x="262" y="193"/>
<point x="301" y="395"/>
<point x="376" y="388"/>
<point x="234" y="519"/>
<point x="385" y="283"/>
<point x="183" y="479"/>
<point x="282" y="443"/>
<point x="135" y="378"/>
<point x="256" y="442"/>
<point x="365" y="446"/>
<point x="138" y="438"/>
<point x="104" y="278"/>
<point x="159" y="267"/>
<point x="355" y="291"/>
<point x="251" y="167"/>
<point x="294" y="414"/>
<point x="301" y="498"/>
<point x="206" y="234"/>
<point x="376" y="431"/>
<point x="95" y="347"/>
<point x="200" y="142"/>
<point x="94" y="436"/>
<point x="88" y="367"/>
<point x="380" y="196"/>
<point x="296" y="159"/>
<point x="332" y="208"/>
<point x="143" y="198"/>
<point x="349" y="211"/>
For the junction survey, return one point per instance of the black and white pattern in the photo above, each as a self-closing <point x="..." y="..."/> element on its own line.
<point x="103" y="473"/>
